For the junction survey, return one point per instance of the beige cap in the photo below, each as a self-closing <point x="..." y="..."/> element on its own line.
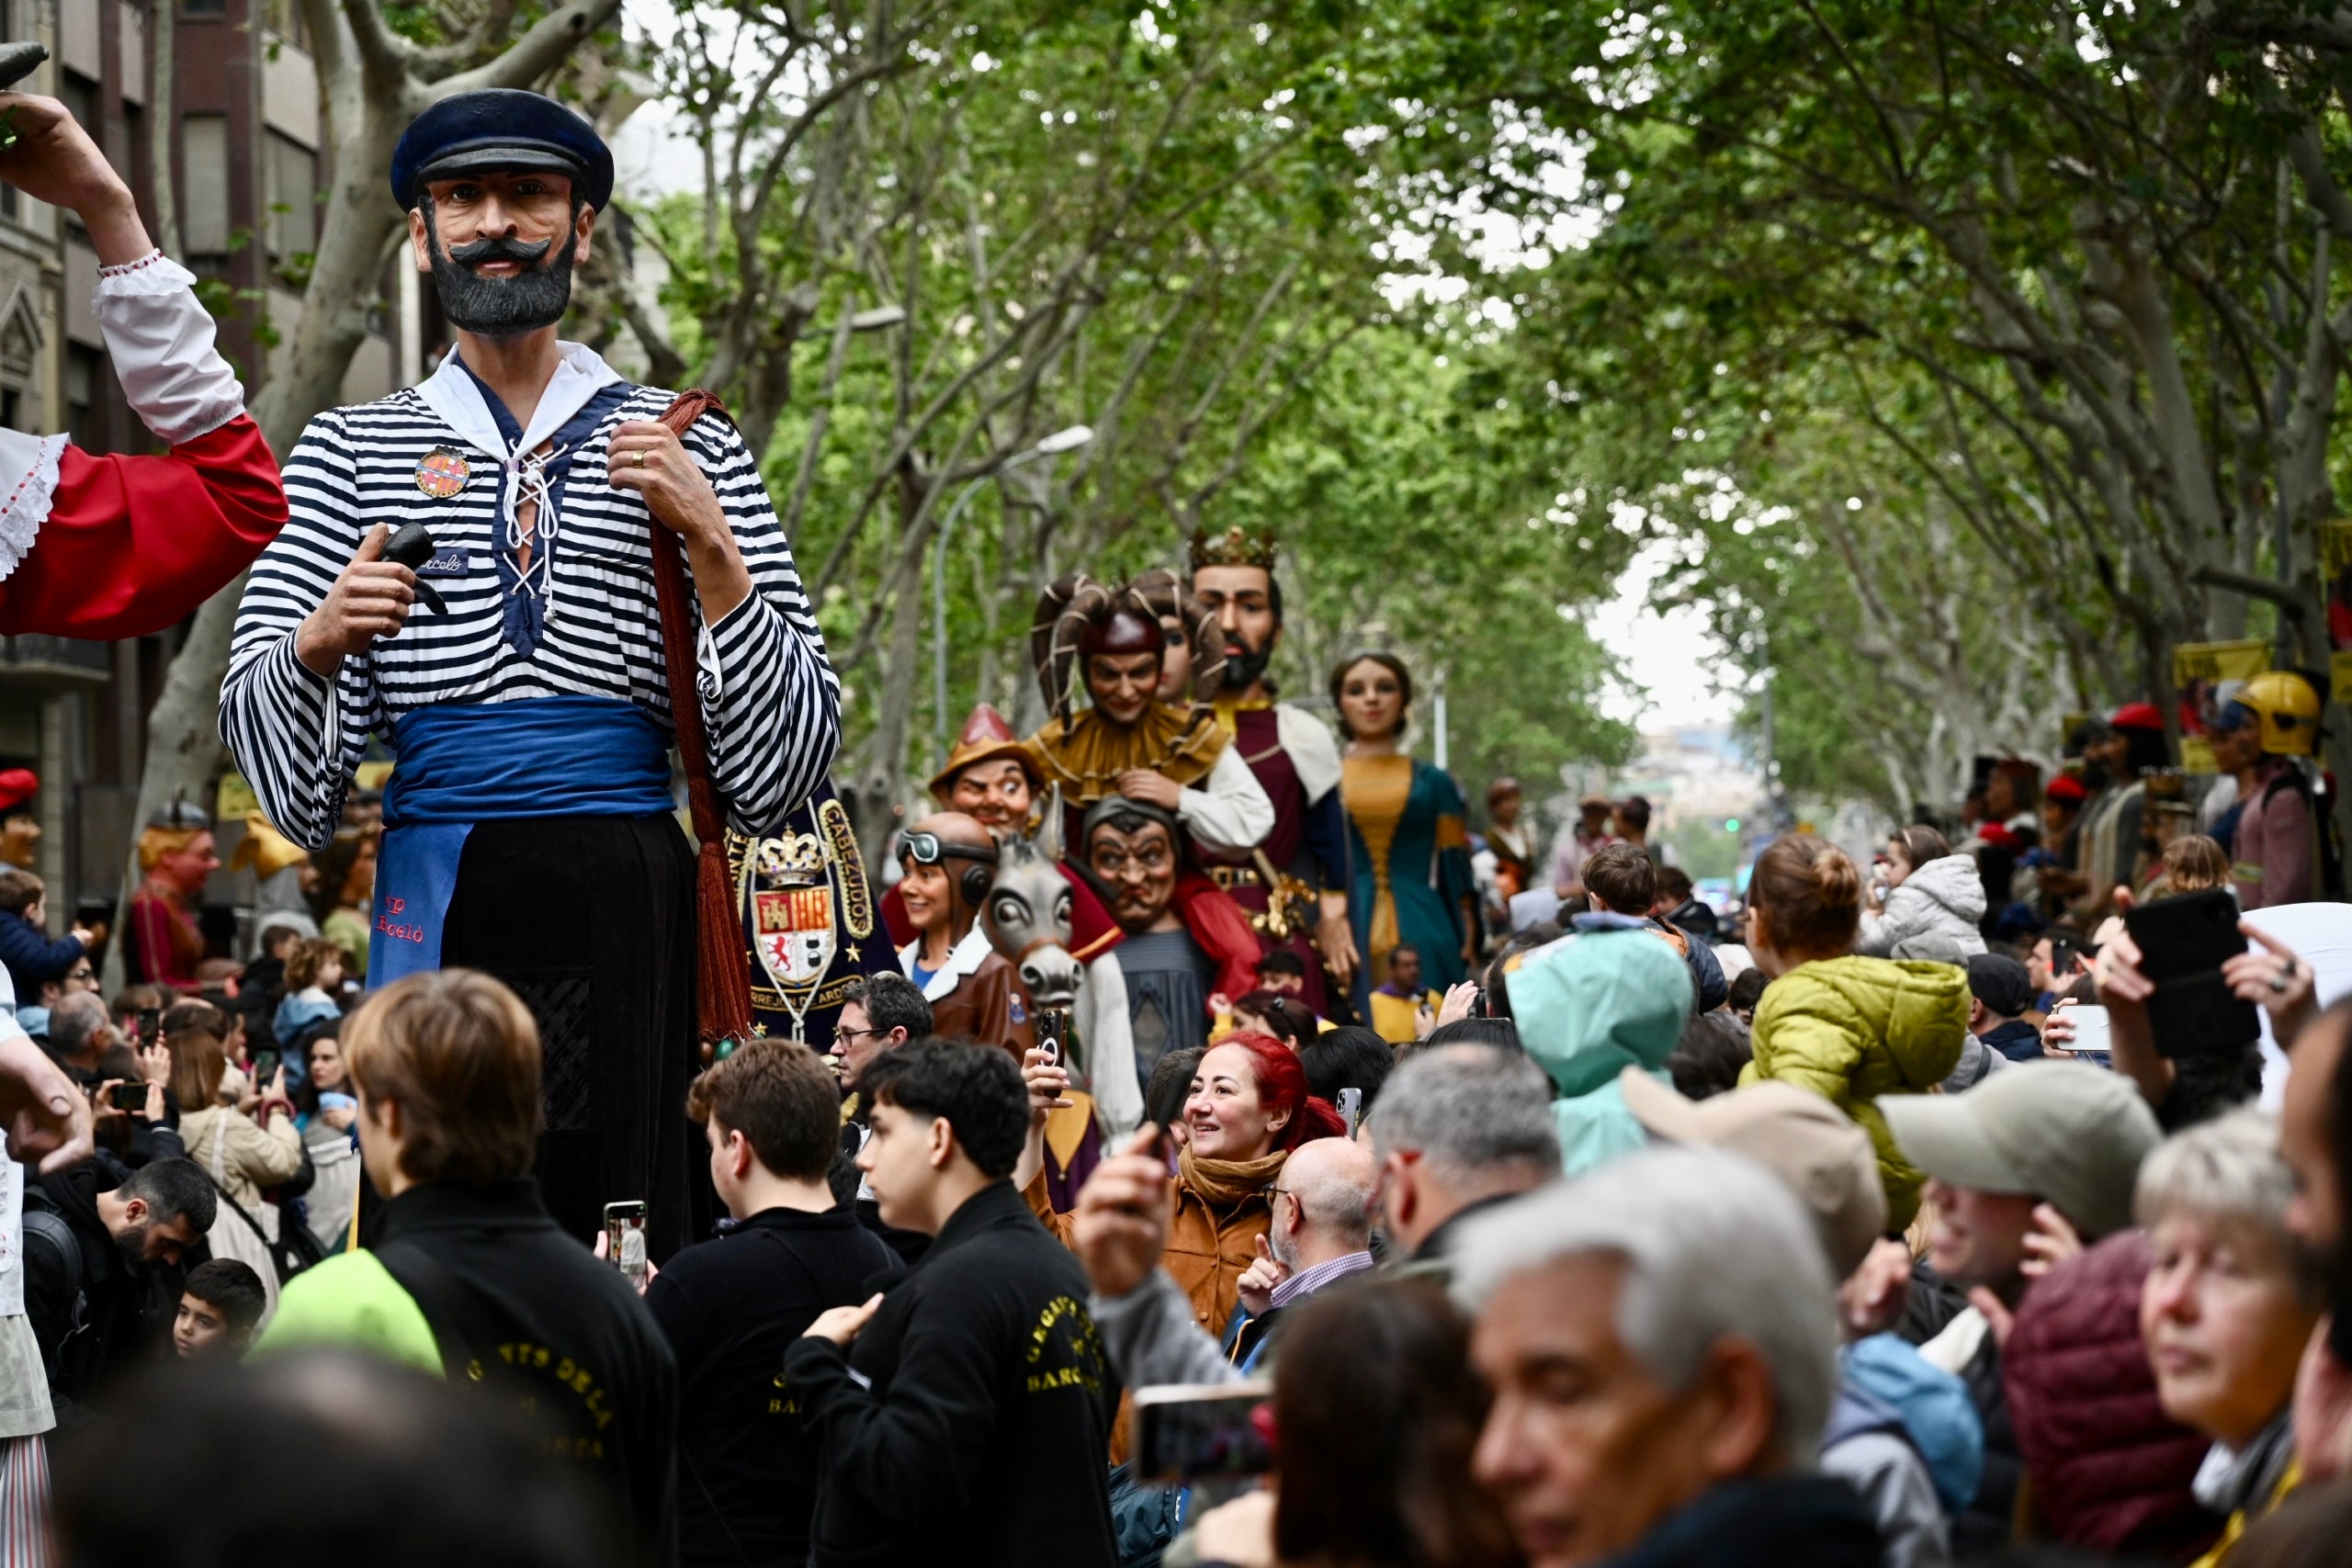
<point x="2068" y="1132"/>
<point x="1809" y="1142"/>
<point x="1595" y="801"/>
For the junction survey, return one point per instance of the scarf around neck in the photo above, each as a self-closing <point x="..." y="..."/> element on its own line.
<point x="1222" y="1183"/>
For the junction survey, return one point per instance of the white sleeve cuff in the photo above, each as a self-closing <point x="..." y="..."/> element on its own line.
<point x="28" y="472"/>
<point x="161" y="342"/>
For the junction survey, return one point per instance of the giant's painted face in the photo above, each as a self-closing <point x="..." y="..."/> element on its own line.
<point x="1139" y="868"/>
<point x="995" y="793"/>
<point x="1242" y="598"/>
<point x="1123" y="685"/>
<point x="188" y="868"/>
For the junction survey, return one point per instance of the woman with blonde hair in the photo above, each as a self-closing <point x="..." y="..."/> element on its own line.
<point x="2229" y="1304"/>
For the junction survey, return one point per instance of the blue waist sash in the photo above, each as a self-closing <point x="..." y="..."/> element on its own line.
<point x="490" y="762"/>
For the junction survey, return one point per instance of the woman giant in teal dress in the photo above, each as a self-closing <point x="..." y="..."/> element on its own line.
<point x="1406" y="835"/>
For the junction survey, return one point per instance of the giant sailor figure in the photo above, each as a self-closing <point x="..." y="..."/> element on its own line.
<point x="528" y="825"/>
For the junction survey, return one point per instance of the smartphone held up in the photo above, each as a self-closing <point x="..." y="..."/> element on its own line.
<point x="1191" y="1432"/>
<point x="625" y="1239"/>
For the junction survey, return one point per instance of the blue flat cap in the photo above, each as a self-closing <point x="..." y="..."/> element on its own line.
<point x="500" y="131"/>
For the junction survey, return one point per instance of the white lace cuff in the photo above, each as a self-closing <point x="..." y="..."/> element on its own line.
<point x="162" y="341"/>
<point x="28" y="472"/>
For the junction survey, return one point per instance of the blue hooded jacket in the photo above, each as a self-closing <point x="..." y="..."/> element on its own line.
<point x="1588" y="1007"/>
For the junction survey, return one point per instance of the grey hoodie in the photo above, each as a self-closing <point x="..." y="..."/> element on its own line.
<point x="1944" y="896"/>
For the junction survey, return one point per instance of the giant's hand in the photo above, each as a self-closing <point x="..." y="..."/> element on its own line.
<point x="47" y="1118"/>
<point x="646" y="456"/>
<point x="368" y="601"/>
<point x="1335" y="939"/>
<point x="53" y="160"/>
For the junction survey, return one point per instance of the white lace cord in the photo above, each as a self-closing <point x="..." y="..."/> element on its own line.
<point x="530" y="482"/>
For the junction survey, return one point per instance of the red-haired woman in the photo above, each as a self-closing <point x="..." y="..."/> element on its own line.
<point x="1248" y="1109"/>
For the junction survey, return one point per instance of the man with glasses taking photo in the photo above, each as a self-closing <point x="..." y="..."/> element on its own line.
<point x="879" y="1015"/>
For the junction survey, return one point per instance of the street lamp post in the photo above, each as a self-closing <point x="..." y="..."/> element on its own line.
<point x="1060" y="441"/>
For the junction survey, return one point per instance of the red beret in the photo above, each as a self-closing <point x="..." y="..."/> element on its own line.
<point x="2067" y="788"/>
<point x="2138" y="715"/>
<point x="16" y="786"/>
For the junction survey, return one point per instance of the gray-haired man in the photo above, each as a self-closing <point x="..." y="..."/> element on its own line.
<point x="1661" y="1340"/>
<point x="1457" y="1130"/>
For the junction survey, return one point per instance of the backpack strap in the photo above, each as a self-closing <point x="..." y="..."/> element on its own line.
<point x="461" y="1323"/>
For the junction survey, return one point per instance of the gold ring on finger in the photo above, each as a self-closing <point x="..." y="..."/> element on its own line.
<point x="639" y="454"/>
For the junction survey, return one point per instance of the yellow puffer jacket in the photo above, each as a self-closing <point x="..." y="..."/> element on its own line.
<point x="1852" y="1029"/>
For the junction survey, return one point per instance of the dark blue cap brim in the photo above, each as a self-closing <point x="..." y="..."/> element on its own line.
<point x="518" y="158"/>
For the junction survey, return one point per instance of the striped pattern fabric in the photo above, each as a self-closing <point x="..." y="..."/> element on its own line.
<point x="24" y="1501"/>
<point x="771" y="701"/>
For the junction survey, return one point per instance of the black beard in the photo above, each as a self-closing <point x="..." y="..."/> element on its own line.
<point x="133" y="1249"/>
<point x="1245" y="671"/>
<point x="503" y="307"/>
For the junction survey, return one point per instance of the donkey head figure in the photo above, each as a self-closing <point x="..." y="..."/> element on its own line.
<point x="1027" y="911"/>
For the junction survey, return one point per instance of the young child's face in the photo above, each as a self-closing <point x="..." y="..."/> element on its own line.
<point x="202" y="1329"/>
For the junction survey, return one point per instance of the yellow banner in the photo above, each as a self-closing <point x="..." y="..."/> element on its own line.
<point x="2336" y="546"/>
<point x="236" y="798"/>
<point x="2196" y="755"/>
<point x="2195" y="661"/>
<point x="2339" y="671"/>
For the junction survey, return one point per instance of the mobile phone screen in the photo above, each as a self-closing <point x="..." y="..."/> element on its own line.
<point x="625" y="1237"/>
<point x="1201" y="1432"/>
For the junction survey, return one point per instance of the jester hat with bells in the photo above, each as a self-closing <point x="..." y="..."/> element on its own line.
<point x="1085" y="752"/>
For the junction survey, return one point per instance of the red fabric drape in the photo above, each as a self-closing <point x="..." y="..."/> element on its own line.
<point x="132" y="544"/>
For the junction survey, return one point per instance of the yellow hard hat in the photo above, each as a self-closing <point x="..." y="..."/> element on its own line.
<point x="2289" y="710"/>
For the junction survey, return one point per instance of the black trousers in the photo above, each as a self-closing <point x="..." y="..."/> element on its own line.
<point x="591" y="920"/>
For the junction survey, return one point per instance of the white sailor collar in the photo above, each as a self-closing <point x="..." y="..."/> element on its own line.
<point x="964" y="959"/>
<point x="452" y="393"/>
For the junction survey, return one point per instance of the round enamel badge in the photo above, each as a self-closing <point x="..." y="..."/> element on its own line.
<point x="442" y="473"/>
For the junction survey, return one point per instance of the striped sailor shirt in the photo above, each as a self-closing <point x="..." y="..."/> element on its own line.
<point x="771" y="701"/>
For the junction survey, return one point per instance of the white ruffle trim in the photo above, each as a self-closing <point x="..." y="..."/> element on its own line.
<point x="161" y="340"/>
<point x="28" y="506"/>
<point x="150" y="277"/>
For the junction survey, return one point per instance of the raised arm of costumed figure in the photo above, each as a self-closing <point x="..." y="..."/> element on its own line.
<point x="109" y="547"/>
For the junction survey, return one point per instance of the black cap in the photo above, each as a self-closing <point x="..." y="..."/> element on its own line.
<point x="2000" y="983"/>
<point x="500" y="131"/>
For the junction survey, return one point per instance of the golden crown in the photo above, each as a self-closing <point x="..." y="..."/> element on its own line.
<point x="1236" y="547"/>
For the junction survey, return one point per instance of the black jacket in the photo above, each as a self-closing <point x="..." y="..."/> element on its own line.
<point x="518" y="1306"/>
<point x="1781" y="1521"/>
<point x="983" y="1437"/>
<point x="846" y="1180"/>
<point x="728" y="1307"/>
<point x="94" y="1316"/>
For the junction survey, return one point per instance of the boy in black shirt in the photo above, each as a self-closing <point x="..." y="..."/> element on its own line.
<point x="970" y="1422"/>
<point x="747" y="1471"/>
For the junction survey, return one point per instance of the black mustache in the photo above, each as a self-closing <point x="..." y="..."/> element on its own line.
<point x="501" y="250"/>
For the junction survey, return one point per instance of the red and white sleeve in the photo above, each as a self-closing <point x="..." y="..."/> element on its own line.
<point x="106" y="546"/>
